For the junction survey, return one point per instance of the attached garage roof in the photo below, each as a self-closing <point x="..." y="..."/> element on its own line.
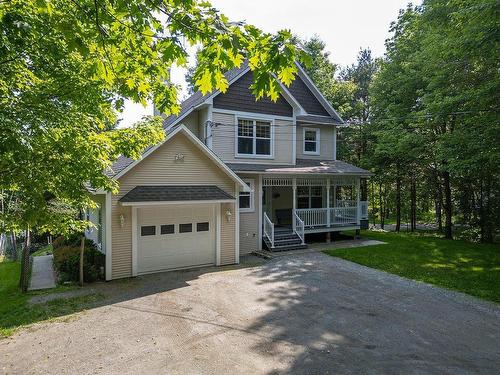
<point x="176" y="193"/>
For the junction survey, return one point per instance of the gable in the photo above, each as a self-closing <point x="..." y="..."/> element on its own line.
<point x="239" y="97"/>
<point x="306" y="98"/>
<point x="164" y="166"/>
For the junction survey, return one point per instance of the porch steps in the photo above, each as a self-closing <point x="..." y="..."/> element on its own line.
<point x="285" y="240"/>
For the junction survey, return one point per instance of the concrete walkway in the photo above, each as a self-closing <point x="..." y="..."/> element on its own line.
<point x="42" y="273"/>
<point x="320" y="246"/>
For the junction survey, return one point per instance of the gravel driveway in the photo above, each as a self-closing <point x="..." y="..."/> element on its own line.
<point x="305" y="314"/>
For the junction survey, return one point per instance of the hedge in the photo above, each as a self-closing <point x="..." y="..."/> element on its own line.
<point x="67" y="260"/>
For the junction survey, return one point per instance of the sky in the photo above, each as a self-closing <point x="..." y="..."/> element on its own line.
<point x="345" y="26"/>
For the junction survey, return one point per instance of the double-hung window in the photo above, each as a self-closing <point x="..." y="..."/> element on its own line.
<point x="246" y="198"/>
<point x="254" y="138"/>
<point x="311" y="141"/>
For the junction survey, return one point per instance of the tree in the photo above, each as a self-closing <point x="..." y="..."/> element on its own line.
<point x="67" y="66"/>
<point x="323" y="73"/>
<point x="439" y="81"/>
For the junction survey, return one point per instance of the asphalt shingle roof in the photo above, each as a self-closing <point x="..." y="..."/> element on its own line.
<point x="303" y="166"/>
<point x="313" y="119"/>
<point x="175" y="193"/>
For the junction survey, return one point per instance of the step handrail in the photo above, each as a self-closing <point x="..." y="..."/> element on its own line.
<point x="269" y="229"/>
<point x="299" y="227"/>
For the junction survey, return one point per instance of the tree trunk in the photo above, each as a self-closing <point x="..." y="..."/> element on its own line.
<point x="381" y="204"/>
<point x="25" y="260"/>
<point x="82" y="250"/>
<point x="448" y="209"/>
<point x="398" y="204"/>
<point x="14" y="246"/>
<point x="413" y="204"/>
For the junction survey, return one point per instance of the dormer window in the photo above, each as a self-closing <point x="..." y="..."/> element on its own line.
<point x="311" y="141"/>
<point x="254" y="138"/>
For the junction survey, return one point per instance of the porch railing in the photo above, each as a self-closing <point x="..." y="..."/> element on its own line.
<point x="269" y="229"/>
<point x="299" y="227"/>
<point x="343" y="215"/>
<point x="325" y="217"/>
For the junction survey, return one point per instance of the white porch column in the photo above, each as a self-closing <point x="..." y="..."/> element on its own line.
<point x="334" y="194"/>
<point x="358" y="201"/>
<point x="328" y="203"/>
<point x="294" y="203"/>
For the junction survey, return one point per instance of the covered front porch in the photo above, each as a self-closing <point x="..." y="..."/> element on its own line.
<point x="303" y="205"/>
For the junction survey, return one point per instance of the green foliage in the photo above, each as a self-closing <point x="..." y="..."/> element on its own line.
<point x="435" y="110"/>
<point x="67" y="262"/>
<point x="66" y="68"/>
<point x="323" y="72"/>
<point x="459" y="265"/>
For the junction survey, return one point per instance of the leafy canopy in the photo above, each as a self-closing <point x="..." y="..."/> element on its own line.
<point x="67" y="66"/>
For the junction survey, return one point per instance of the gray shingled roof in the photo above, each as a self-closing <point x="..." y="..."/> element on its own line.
<point x="175" y="193"/>
<point x="198" y="98"/>
<point x="303" y="166"/>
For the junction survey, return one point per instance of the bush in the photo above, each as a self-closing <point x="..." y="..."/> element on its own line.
<point x="58" y="242"/>
<point x="67" y="262"/>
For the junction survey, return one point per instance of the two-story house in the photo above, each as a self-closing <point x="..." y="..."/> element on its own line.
<point x="233" y="175"/>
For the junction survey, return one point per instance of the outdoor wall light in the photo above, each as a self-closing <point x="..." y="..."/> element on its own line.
<point x="229" y="214"/>
<point x="122" y="220"/>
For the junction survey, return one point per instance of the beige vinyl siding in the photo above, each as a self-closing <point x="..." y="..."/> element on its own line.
<point x="249" y="221"/>
<point x="160" y="168"/>
<point x="227" y="233"/>
<point x="224" y="140"/>
<point x="326" y="142"/>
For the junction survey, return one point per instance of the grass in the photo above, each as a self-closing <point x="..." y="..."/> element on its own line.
<point x="463" y="266"/>
<point x="15" y="309"/>
<point x="43" y="251"/>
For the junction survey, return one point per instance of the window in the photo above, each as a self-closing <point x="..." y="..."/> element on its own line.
<point x="167" y="229"/>
<point x="148" y="230"/>
<point x="254" y="138"/>
<point x="311" y="141"/>
<point x="309" y="197"/>
<point x="185" y="228"/>
<point x="202" y="227"/>
<point x="246" y="198"/>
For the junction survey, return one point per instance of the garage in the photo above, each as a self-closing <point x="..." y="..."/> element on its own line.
<point x="175" y="236"/>
<point x="175" y="227"/>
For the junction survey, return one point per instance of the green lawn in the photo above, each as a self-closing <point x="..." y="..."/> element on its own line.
<point x="463" y="266"/>
<point x="15" y="311"/>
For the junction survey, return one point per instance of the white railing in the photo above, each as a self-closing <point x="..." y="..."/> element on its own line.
<point x="299" y="226"/>
<point x="364" y="210"/>
<point x="343" y="215"/>
<point x="269" y="229"/>
<point x="313" y="217"/>
<point x="324" y="217"/>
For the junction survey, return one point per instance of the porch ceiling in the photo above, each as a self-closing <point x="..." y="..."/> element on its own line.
<point x="304" y="166"/>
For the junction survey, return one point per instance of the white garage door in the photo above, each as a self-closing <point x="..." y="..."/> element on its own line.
<point x="175" y="236"/>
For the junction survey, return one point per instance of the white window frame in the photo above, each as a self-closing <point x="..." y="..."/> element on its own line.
<point x="251" y="183"/>
<point x="318" y="141"/>
<point x="254" y="120"/>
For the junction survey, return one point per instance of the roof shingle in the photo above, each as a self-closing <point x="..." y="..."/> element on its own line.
<point x="175" y="193"/>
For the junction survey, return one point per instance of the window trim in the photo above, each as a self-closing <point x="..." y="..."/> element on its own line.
<point x="271" y="133"/>
<point x="318" y="141"/>
<point x="251" y="183"/>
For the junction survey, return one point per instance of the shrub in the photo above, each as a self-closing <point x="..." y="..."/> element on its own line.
<point x="67" y="262"/>
<point x="58" y="242"/>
